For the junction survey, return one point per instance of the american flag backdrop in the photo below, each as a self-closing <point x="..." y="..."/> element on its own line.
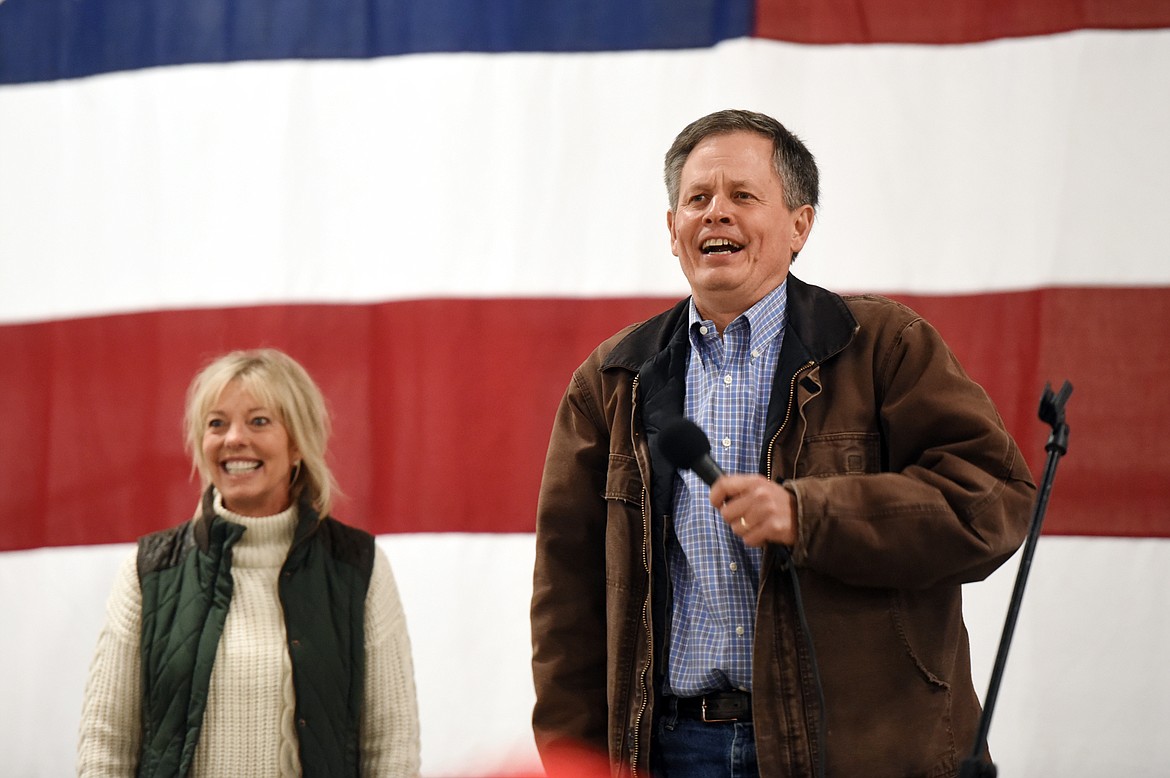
<point x="440" y="206"/>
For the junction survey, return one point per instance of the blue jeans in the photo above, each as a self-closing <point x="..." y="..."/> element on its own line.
<point x="686" y="748"/>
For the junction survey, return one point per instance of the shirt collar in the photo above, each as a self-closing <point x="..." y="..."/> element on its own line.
<point x="764" y="320"/>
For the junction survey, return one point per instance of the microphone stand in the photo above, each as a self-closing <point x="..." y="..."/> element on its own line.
<point x="1052" y="413"/>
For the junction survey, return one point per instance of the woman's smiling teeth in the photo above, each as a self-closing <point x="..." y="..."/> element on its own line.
<point x="240" y="466"/>
<point x="719" y="246"/>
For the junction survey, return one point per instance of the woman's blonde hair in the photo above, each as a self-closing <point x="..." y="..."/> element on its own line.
<point x="279" y="382"/>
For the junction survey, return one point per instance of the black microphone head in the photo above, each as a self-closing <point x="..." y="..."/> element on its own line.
<point x="683" y="443"/>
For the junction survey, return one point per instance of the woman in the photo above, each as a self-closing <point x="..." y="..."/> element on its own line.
<point x="263" y="636"/>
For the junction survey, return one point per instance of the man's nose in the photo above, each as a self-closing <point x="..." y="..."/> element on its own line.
<point x="718" y="211"/>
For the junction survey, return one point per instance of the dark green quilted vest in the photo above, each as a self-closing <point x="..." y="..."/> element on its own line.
<point x="185" y="576"/>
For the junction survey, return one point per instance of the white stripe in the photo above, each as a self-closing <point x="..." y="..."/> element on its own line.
<point x="1007" y="165"/>
<point x="1087" y="689"/>
<point x="466" y="603"/>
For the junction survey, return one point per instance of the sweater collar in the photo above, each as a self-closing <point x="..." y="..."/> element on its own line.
<point x="304" y="520"/>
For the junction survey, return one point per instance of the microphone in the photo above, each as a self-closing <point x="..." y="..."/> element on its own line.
<point x="687" y="448"/>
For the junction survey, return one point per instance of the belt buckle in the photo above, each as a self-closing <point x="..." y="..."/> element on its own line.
<point x="713" y="721"/>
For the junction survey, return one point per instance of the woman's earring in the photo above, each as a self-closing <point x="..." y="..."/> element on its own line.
<point x="296" y="472"/>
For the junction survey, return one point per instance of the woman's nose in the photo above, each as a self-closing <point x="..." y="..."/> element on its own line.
<point x="236" y="435"/>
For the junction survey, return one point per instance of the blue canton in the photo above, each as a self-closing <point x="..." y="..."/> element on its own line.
<point x="714" y="575"/>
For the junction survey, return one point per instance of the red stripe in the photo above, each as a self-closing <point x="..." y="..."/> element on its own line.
<point x="933" y="22"/>
<point x="442" y="408"/>
<point x="1111" y="345"/>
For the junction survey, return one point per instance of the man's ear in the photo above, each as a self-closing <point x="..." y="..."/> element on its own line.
<point x="670" y="228"/>
<point x="802" y="223"/>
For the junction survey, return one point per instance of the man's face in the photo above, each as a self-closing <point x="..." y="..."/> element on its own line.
<point x="731" y="231"/>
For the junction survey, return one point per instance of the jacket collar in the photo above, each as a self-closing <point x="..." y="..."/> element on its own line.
<point x="820" y="320"/>
<point x="820" y="325"/>
<point x="649" y="338"/>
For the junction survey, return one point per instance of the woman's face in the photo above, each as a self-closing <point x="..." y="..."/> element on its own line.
<point x="248" y="452"/>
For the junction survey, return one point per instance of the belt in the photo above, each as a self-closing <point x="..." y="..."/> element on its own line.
<point x="717" y="706"/>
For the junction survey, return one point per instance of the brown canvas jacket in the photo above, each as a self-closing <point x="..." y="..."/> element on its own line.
<point x="907" y="486"/>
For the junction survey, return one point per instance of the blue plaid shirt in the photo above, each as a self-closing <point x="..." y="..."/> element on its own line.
<point x="714" y="575"/>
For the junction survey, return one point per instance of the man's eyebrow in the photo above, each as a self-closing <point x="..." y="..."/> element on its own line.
<point x="738" y="183"/>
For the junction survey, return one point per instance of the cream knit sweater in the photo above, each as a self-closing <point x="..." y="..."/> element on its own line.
<point x="248" y="726"/>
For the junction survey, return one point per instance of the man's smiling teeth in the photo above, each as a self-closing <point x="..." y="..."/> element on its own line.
<point x="720" y="246"/>
<point x="237" y="466"/>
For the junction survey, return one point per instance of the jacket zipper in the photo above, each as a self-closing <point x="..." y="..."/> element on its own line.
<point x="787" y="414"/>
<point x="771" y="448"/>
<point x="649" y="643"/>
<point x="645" y="604"/>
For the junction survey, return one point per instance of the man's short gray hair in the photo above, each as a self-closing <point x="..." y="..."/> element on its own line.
<point x="793" y="161"/>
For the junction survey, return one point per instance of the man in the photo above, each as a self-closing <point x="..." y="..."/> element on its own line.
<point x="803" y="616"/>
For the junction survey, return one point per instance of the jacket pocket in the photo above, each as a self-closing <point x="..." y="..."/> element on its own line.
<point x="839" y="453"/>
<point x="622" y="480"/>
<point x="625" y="531"/>
<point x="917" y="655"/>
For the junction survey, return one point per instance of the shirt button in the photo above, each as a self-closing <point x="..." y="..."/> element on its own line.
<point x="727" y="380"/>
<point x="739" y="631"/>
<point x="734" y="566"/>
<point x="703" y="330"/>
<point x="726" y="443"/>
<point x="755" y="353"/>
